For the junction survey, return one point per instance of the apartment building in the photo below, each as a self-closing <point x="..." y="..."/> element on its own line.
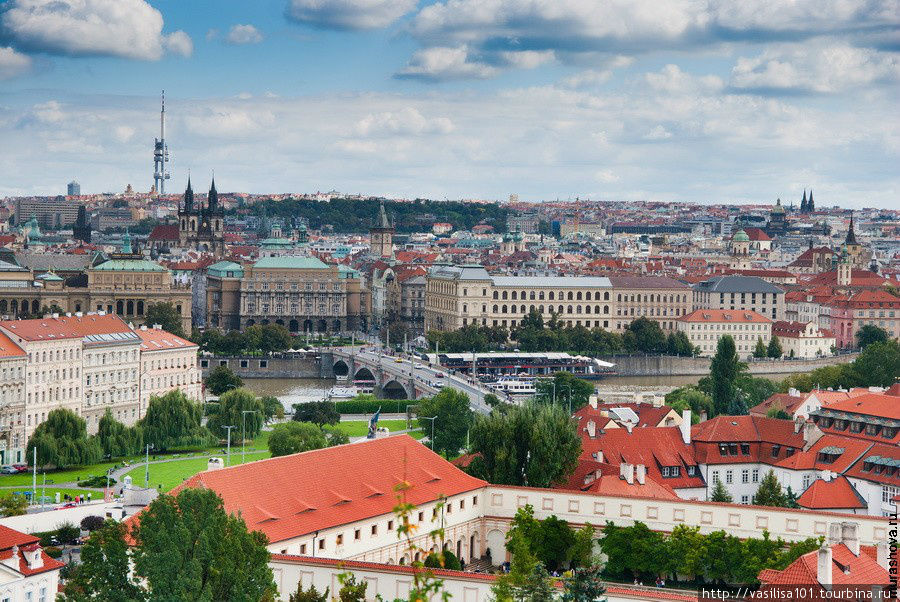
<point x="457" y="296"/>
<point x="803" y="340"/>
<point x="704" y="328"/>
<point x="740" y="293"/>
<point x="87" y="363"/>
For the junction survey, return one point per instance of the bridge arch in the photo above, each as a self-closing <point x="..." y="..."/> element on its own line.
<point x="394" y="389"/>
<point x="364" y="374"/>
<point x="341" y="368"/>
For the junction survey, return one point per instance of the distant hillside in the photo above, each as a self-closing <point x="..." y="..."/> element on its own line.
<point x="347" y="215"/>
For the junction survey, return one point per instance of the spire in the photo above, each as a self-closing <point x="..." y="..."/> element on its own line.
<point x="383" y="222"/>
<point x="126" y="242"/>
<point x="851" y="235"/>
<point x="189" y="196"/>
<point x="811" y="205"/>
<point x="212" y="199"/>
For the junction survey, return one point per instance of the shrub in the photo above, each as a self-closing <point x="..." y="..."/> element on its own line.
<point x="96" y="482"/>
<point x="53" y="551"/>
<point x="370" y="406"/>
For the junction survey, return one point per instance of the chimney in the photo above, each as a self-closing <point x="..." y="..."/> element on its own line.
<point x="823" y="567"/>
<point x="849" y="537"/>
<point x="685" y="426"/>
<point x="834" y="534"/>
<point x="811" y="434"/>
<point x="214" y="464"/>
<point x="13" y="560"/>
<point x="626" y="471"/>
<point x="593" y="401"/>
<point x="798" y="424"/>
<point x="640" y="473"/>
<point x="598" y="456"/>
<point x="793" y="392"/>
<point x="703" y="416"/>
<point x="628" y="425"/>
<point x="591" y="429"/>
<point x="883" y="553"/>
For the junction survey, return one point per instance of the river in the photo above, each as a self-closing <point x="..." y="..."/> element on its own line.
<point x="299" y="390"/>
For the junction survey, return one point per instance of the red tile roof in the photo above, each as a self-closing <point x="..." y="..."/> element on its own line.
<point x="780" y="401"/>
<point x="648" y="414"/>
<point x="334" y="486"/>
<point x="835" y="494"/>
<point x="874" y="459"/>
<point x="157" y="339"/>
<point x="870" y="404"/>
<point x="65" y="327"/>
<point x="8" y="348"/>
<point x="25" y="542"/>
<point x="761" y="435"/>
<point x="846" y="569"/>
<point x="11" y="537"/>
<point x="725" y="315"/>
<point x="853" y="450"/>
<point x="165" y="232"/>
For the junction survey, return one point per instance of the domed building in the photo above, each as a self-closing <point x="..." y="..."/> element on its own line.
<point x="740" y="251"/>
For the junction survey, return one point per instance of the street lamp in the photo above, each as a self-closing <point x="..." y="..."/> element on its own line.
<point x="432" y="419"/>
<point x="147" y="466"/>
<point x="244" y="431"/>
<point x="228" y="457"/>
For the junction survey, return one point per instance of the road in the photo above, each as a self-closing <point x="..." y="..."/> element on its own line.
<point x="423" y="374"/>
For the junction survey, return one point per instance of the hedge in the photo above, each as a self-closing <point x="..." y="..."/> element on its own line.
<point x="353" y="406"/>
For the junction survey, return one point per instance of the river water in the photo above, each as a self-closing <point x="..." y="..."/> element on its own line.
<point x="299" y="390"/>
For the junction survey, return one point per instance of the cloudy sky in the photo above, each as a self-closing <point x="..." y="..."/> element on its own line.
<point x="695" y="100"/>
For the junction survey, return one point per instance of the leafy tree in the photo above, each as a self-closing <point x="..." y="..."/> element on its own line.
<point x="92" y="523"/>
<point x="690" y="398"/>
<point x="678" y="343"/>
<point x="491" y="400"/>
<point x="551" y="541"/>
<point x="267" y="338"/>
<point x="685" y="550"/>
<point x="173" y="420"/>
<point x="534" y="445"/>
<point x="790" y="498"/>
<point x="760" y="351"/>
<point x="317" y="412"/>
<point x="769" y="492"/>
<point x="774" y="350"/>
<point x="633" y="551"/>
<point x="646" y="336"/>
<point x="62" y="441"/>
<point x="778" y="413"/>
<point x="755" y="390"/>
<point x="877" y="366"/>
<point x="232" y="406"/>
<point x="724" y="371"/>
<point x="295" y="437"/>
<point x="737" y="406"/>
<point x="567" y="386"/>
<point x="335" y="436"/>
<point x="444" y="560"/>
<point x="67" y="533"/>
<point x="527" y="580"/>
<point x="116" y="439"/>
<point x="454" y="417"/>
<point x="309" y="595"/>
<point x="272" y="408"/>
<point x="722" y="556"/>
<point x="719" y="493"/>
<point x="585" y="585"/>
<point x="13" y="505"/>
<point x="869" y="334"/>
<point x="189" y="547"/>
<point x="166" y="315"/>
<point x="223" y="379"/>
<point x="103" y="573"/>
<point x="351" y="590"/>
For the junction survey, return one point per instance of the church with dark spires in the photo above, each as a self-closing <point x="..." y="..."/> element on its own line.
<point x="202" y="227"/>
<point x="807" y="205"/>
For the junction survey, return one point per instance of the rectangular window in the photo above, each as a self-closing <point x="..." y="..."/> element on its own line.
<point x="756" y="475"/>
<point x="374" y="529"/>
<point x="321" y="544"/>
<point x="745" y="499"/>
<point x="745" y="476"/>
<point x="356" y="535"/>
<point x="729" y="477"/>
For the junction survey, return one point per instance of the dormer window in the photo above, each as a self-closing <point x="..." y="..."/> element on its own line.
<point x="776" y="450"/>
<point x="745" y="449"/>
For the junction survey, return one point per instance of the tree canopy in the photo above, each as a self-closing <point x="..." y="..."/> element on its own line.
<point x="232" y="406"/>
<point x="769" y="492"/>
<point x="62" y="441"/>
<point x="173" y="420"/>
<point x="564" y="387"/>
<point x="116" y="439"/>
<point x="533" y="444"/>
<point x="453" y="417"/>
<point x="869" y="334"/>
<point x="222" y="379"/>
<point x="166" y="315"/>
<point x="318" y="412"/>
<point x="295" y="437"/>
<point x="104" y="570"/>
<point x="724" y="371"/>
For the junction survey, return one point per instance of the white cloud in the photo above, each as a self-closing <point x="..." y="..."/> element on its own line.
<point x="442" y="63"/>
<point x="527" y="59"/>
<point x="243" y="34"/>
<point x="179" y="43"/>
<point x="821" y="68"/>
<point x="671" y="79"/>
<point x="124" y="28"/>
<point x="348" y="14"/>
<point x="407" y="121"/>
<point x="658" y="133"/>
<point x="48" y="112"/>
<point x="229" y="122"/>
<point x="13" y="63"/>
<point x="124" y="133"/>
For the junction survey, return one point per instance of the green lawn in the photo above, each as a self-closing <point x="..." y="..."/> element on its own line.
<point x="50" y="492"/>
<point x="359" y="428"/>
<point x="170" y="474"/>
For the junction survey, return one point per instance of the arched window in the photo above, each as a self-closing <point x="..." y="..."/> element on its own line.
<point x="578" y="296"/>
<point x="514" y="295"/>
<point x="570" y="295"/>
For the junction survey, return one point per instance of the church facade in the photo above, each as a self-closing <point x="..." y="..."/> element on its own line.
<point x="202" y="227"/>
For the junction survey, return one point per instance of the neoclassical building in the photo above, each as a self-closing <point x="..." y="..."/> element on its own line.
<point x="457" y="296"/>
<point x="303" y="294"/>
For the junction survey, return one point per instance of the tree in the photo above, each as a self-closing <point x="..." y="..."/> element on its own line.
<point x="444" y="560"/>
<point x="877" y="366"/>
<point x="722" y="556"/>
<point x="13" y="505"/>
<point x="232" y="406"/>
<point x="760" y="351"/>
<point x="62" y="441"/>
<point x="92" y="523"/>
<point x="778" y="413"/>
<point x="551" y="541"/>
<point x="295" y="437"/>
<point x="173" y="420"/>
<point x="116" y="439"/>
<point x="272" y="408"/>
<point x="166" y="315"/>
<point x="774" y="350"/>
<point x="869" y="334"/>
<point x="309" y="595"/>
<point x="738" y="405"/>
<point x="585" y="585"/>
<point x="103" y="573"/>
<point x="690" y="398"/>
<point x="453" y="419"/>
<point x="723" y="372"/>
<point x="678" y="343"/>
<point x="267" y="338"/>
<point x="318" y="412"/>
<point x="189" y="547"/>
<point x="533" y="445"/>
<point x="633" y="551"/>
<point x="223" y="379"/>
<point x="719" y="493"/>
<point x="491" y="400"/>
<point x="568" y="387"/>
<point x="685" y="550"/>
<point x="351" y="590"/>
<point x="646" y="336"/>
<point x="335" y="436"/>
<point x="769" y="492"/>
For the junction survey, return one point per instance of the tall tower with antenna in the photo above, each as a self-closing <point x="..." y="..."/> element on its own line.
<point x="161" y="152"/>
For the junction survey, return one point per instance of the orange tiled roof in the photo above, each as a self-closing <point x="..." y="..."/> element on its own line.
<point x="837" y="493"/>
<point x="66" y="327"/>
<point x="157" y="339"/>
<point x="846" y="569"/>
<point x="8" y="348"/>
<point x="290" y="496"/>
<point x="733" y="316"/>
<point x="870" y="404"/>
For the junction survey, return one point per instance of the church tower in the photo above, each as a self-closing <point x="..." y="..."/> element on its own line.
<point x="381" y="235"/>
<point x="202" y="228"/>
<point x="804" y="205"/>
<point x="844" y="269"/>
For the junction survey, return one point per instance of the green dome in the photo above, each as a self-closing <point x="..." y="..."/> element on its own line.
<point x="741" y="236"/>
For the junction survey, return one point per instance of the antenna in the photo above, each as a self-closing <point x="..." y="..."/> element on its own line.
<point x="161" y="151"/>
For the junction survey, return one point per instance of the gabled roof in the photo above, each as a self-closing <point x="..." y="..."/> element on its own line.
<point x="165" y="232"/>
<point x="836" y="494"/>
<point x="734" y="316"/>
<point x="737" y="284"/>
<point x="11" y="537"/>
<point x="157" y="339"/>
<point x="8" y="348"/>
<point x="870" y="404"/>
<point x="66" y="327"/>
<point x="845" y="451"/>
<point x="846" y="569"/>
<point x="289" y="496"/>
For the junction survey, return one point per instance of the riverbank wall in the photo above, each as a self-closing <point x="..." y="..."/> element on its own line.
<point x="275" y="366"/>
<point x="666" y="365"/>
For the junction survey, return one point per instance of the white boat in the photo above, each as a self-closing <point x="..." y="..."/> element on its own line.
<point x="342" y="378"/>
<point x="343" y="392"/>
<point x="514" y="386"/>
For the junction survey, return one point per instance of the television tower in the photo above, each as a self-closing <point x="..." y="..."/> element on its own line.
<point x="161" y="152"/>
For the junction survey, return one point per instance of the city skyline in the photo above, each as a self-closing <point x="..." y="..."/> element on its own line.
<point x="710" y="102"/>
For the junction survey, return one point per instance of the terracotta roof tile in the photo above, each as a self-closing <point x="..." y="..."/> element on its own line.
<point x="837" y="493"/>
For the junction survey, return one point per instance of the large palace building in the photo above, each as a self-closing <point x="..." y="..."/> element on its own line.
<point x="457" y="296"/>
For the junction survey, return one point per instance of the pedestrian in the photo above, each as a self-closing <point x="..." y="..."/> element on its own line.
<point x="89" y="497"/>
